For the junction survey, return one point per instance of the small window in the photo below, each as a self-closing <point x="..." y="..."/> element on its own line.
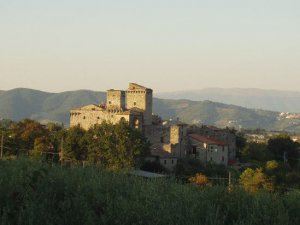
<point x="161" y="139"/>
<point x="194" y="150"/>
<point x="109" y="102"/>
<point x="134" y="103"/>
<point x="84" y="117"/>
<point x="223" y="159"/>
<point x="165" y="162"/>
<point x="172" y="161"/>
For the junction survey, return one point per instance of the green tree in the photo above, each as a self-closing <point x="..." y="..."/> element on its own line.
<point x="255" y="152"/>
<point x="75" y="145"/>
<point x="116" y="146"/>
<point x="23" y="134"/>
<point x="43" y="148"/>
<point x="283" y="147"/>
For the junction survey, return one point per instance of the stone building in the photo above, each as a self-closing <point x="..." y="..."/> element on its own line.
<point x="208" y="150"/>
<point x="218" y="134"/>
<point x="168" y="138"/>
<point x="133" y="105"/>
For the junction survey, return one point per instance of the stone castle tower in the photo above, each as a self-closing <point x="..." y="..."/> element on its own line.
<point x="139" y="97"/>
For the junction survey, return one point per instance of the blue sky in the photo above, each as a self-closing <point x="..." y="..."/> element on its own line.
<point x="168" y="45"/>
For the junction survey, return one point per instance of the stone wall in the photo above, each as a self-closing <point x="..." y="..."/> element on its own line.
<point x="209" y="153"/>
<point x="115" y="99"/>
<point x="141" y="99"/>
<point x="88" y="118"/>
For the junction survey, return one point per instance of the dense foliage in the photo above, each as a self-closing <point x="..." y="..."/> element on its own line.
<point x="34" y="194"/>
<point x="111" y="146"/>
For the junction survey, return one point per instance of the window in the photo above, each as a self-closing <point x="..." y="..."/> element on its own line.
<point x="134" y="103"/>
<point x="165" y="162"/>
<point x="194" y="150"/>
<point x="109" y="102"/>
<point x="223" y="159"/>
<point x="172" y="161"/>
<point x="84" y="117"/>
<point x="161" y="139"/>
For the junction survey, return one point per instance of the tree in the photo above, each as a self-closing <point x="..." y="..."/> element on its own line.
<point x="116" y="146"/>
<point x="255" y="152"/>
<point x="24" y="133"/>
<point x="75" y="145"/>
<point x="255" y="180"/>
<point x="43" y="148"/>
<point x="284" y="148"/>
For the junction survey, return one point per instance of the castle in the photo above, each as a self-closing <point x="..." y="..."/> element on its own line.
<point x="133" y="105"/>
<point x="169" y="139"/>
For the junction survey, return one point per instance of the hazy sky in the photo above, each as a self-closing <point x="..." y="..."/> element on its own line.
<point x="57" y="45"/>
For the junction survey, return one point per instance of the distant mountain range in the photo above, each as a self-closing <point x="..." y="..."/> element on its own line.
<point x="23" y="103"/>
<point x="282" y="101"/>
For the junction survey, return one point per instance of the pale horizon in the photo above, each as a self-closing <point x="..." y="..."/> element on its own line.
<point x="166" y="45"/>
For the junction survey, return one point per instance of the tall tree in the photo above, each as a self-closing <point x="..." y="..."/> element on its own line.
<point x="75" y="146"/>
<point x="284" y="148"/>
<point x="116" y="146"/>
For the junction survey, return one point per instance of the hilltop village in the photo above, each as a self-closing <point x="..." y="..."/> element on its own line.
<point x="170" y="139"/>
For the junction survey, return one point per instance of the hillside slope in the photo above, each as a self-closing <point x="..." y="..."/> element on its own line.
<point x="22" y="103"/>
<point x="282" y="101"/>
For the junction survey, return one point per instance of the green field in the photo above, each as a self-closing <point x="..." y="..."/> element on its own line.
<point x="34" y="193"/>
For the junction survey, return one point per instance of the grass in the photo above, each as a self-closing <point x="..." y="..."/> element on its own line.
<point x="33" y="193"/>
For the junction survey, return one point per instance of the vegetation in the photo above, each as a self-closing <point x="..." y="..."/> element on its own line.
<point x="32" y="194"/>
<point x="111" y="146"/>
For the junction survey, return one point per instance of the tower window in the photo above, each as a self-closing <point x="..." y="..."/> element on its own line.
<point x="194" y="150"/>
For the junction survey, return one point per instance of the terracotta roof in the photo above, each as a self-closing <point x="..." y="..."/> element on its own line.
<point x="207" y="140"/>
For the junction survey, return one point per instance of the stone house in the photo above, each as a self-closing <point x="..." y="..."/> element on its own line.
<point x="208" y="150"/>
<point x="218" y="134"/>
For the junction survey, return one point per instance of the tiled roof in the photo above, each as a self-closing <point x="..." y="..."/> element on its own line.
<point x="207" y="140"/>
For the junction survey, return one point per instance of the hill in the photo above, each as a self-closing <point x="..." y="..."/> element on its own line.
<point x="23" y="103"/>
<point x="282" y="101"/>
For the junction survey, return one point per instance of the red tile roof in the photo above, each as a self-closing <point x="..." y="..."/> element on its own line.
<point x="207" y="140"/>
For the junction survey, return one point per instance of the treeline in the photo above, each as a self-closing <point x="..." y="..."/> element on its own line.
<point x="274" y="165"/>
<point x="110" y="146"/>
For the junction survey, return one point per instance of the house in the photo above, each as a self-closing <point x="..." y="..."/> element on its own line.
<point x="208" y="150"/>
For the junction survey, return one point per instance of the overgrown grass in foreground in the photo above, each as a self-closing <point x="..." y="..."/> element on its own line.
<point x="34" y="194"/>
